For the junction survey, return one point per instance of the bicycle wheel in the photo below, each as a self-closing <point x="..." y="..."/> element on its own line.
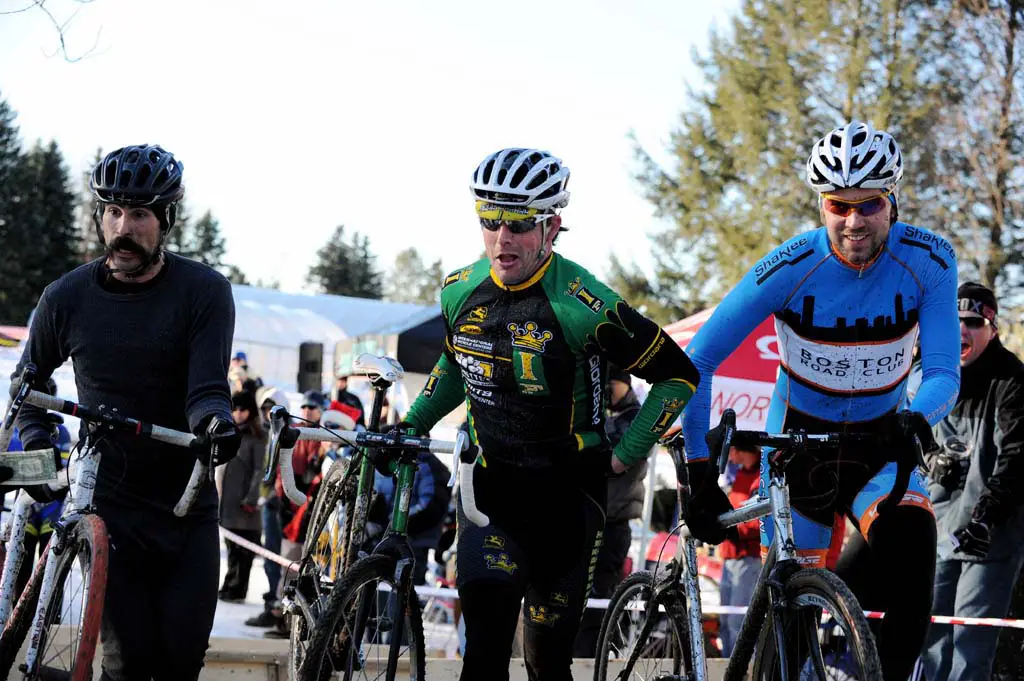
<point x="16" y="627"/>
<point x="626" y="632"/>
<point x="827" y="636"/>
<point x="325" y="546"/>
<point x="74" y="607"/>
<point x="362" y="608"/>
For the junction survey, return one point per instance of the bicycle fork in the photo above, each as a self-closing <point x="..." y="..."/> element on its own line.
<point x="14" y="535"/>
<point x="694" y="613"/>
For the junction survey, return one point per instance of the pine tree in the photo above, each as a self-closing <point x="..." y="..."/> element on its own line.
<point x="410" y="281"/>
<point x="14" y="255"/>
<point x="40" y="233"/>
<point x="346" y="268"/>
<point x="180" y="239"/>
<point x="787" y="73"/>
<point x="91" y="246"/>
<point x="206" y="243"/>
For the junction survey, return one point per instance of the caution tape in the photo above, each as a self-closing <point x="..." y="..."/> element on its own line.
<point x="602" y="603"/>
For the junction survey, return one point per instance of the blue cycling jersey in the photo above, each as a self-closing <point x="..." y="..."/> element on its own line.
<point x="846" y="334"/>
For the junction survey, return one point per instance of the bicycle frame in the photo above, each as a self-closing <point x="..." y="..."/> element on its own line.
<point x="80" y="475"/>
<point x="683" y="569"/>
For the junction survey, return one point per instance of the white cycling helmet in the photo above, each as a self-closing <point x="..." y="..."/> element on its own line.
<point x="521" y="177"/>
<point x="855" y="156"/>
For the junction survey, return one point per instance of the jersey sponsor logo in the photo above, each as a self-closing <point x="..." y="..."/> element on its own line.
<point x="480" y="395"/>
<point x="851" y="368"/>
<point x="494" y="541"/>
<point x="472" y="344"/>
<point x="529" y="371"/>
<point x="581" y="293"/>
<point x="539" y="614"/>
<point x="918" y="238"/>
<point x="670" y="409"/>
<point x="478" y="314"/>
<point x="436" y="375"/>
<point x="500" y="561"/>
<point x="780" y="257"/>
<point x="457" y="275"/>
<point x="529" y="336"/>
<point x="472" y="329"/>
<point x="474" y="369"/>
<point x="596" y="388"/>
<point x="650" y="354"/>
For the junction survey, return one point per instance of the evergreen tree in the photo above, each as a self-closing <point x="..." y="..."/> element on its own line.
<point x="11" y="274"/>
<point x="206" y="243"/>
<point x="91" y="246"/>
<point x="235" y="275"/>
<point x="411" y="281"/>
<point x="786" y="74"/>
<point x="180" y="239"/>
<point x="41" y="236"/>
<point x="346" y="268"/>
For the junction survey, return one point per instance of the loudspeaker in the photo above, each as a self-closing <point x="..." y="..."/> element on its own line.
<point x="311" y="367"/>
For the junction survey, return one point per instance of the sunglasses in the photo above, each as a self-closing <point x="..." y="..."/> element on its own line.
<point x="974" y="323"/>
<point x="866" y="207"/>
<point x="515" y="226"/>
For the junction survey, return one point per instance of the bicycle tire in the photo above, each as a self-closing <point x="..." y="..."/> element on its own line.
<point x="329" y="644"/>
<point x="807" y="592"/>
<point x="609" y="646"/>
<point x="16" y="628"/>
<point x="331" y="495"/>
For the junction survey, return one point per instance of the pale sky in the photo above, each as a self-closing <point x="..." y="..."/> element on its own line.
<point x="292" y="118"/>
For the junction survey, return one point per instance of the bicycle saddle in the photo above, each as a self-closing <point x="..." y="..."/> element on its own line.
<point x="378" y="368"/>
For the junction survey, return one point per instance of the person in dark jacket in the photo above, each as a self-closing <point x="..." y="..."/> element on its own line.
<point x="240" y="494"/>
<point x="977" y="487"/>
<point x="625" y="502"/>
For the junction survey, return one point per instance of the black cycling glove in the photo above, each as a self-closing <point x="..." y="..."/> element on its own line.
<point x="219" y="441"/>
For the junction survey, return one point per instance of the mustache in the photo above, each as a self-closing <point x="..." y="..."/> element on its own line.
<point x="124" y="243"/>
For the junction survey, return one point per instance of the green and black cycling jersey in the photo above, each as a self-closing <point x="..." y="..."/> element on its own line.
<point x="530" y="361"/>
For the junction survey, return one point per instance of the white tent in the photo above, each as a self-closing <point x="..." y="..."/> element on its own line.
<point x="270" y="325"/>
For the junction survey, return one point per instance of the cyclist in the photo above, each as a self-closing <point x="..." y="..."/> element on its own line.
<point x="528" y="336"/>
<point x="149" y="333"/>
<point x="849" y="299"/>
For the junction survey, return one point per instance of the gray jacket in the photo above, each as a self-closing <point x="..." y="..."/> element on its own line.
<point x="241" y="484"/>
<point x="988" y="419"/>
<point x="626" y="491"/>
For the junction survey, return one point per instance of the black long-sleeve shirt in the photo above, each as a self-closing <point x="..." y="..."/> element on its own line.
<point x="158" y="354"/>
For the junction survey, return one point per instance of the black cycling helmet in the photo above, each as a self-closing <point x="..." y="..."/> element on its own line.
<point x="140" y="175"/>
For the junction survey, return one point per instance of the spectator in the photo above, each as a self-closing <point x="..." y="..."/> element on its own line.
<point x="741" y="557"/>
<point x="306" y="467"/>
<point x="240" y="377"/>
<point x="428" y="507"/>
<point x="240" y="492"/>
<point x="625" y="502"/>
<point x="342" y="395"/>
<point x="267" y="398"/>
<point x="977" y="486"/>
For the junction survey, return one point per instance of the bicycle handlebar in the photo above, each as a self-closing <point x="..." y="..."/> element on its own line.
<point x="284" y="436"/>
<point x="110" y="418"/>
<point x="800" y="441"/>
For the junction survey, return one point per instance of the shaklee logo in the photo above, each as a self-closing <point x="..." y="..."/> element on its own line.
<point x="781" y="253"/>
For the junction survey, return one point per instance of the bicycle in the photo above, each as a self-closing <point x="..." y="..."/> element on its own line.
<point x="342" y="595"/>
<point x="800" y="623"/>
<point x="65" y="630"/>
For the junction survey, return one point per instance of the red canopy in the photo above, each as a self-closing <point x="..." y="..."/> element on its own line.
<point x="745" y="380"/>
